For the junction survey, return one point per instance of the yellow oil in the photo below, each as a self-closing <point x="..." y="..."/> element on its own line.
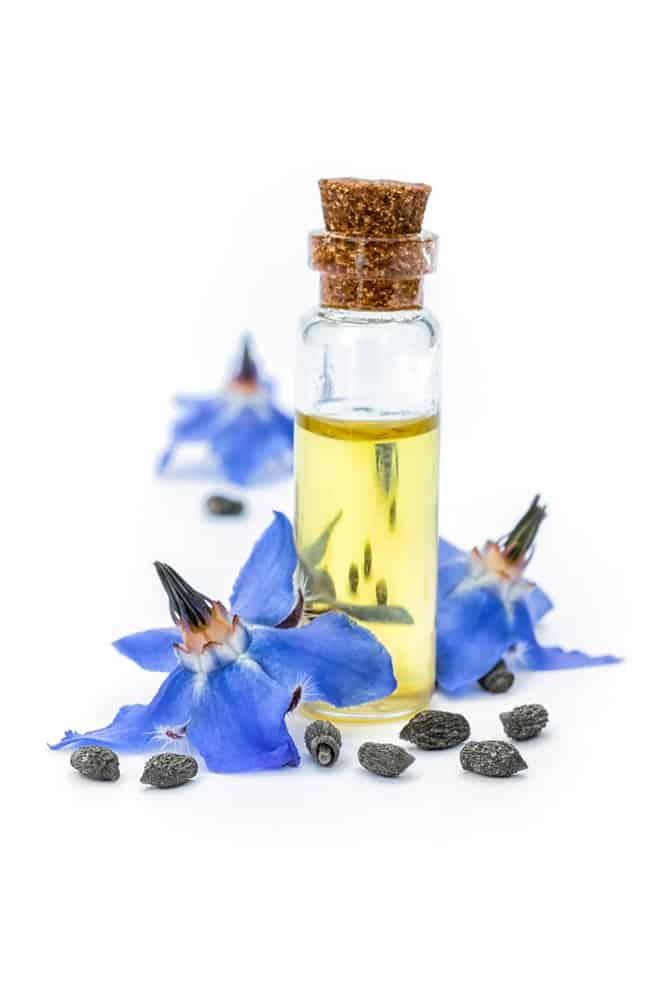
<point x="368" y="491"/>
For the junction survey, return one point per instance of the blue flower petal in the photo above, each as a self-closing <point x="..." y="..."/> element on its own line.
<point x="134" y="728"/>
<point x="165" y="458"/>
<point x="333" y="659"/>
<point x="536" y="657"/>
<point x="203" y="417"/>
<point x="473" y="631"/>
<point x="235" y="715"/>
<point x="264" y="592"/>
<point x="237" y="722"/>
<point x="193" y="403"/>
<point x="520" y="623"/>
<point x="282" y="424"/>
<point x="448" y="552"/>
<point x="255" y="447"/>
<point x="538" y="603"/>
<point x="452" y="567"/>
<point x="198" y="424"/>
<point x="153" y="649"/>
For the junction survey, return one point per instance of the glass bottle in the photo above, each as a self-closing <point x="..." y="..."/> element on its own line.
<point x="367" y="435"/>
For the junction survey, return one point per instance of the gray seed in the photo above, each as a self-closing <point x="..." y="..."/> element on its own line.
<point x="384" y="759"/>
<point x="167" y="770"/>
<point x="525" y="721"/>
<point x="221" y="506"/>
<point x="381" y="592"/>
<point x="353" y="577"/>
<point x="432" y="730"/>
<point x="392" y="514"/>
<point x="493" y="758"/>
<point x="98" y="763"/>
<point x="498" y="680"/>
<point x="324" y="741"/>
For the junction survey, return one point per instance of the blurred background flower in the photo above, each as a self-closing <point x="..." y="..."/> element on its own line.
<point x="248" y="438"/>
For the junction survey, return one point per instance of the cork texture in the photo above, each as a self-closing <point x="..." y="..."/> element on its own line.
<point x="380" y="296"/>
<point x="373" y="254"/>
<point x="356" y="207"/>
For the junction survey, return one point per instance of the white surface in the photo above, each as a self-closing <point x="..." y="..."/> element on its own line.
<point x="154" y="155"/>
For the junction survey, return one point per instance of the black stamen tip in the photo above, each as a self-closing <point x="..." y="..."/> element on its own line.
<point x="521" y="538"/>
<point x="186" y="605"/>
<point x="248" y="369"/>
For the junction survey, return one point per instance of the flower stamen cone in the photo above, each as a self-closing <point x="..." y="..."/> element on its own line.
<point x="246" y="377"/>
<point x="200" y="619"/>
<point x="248" y="439"/>
<point x="518" y="545"/>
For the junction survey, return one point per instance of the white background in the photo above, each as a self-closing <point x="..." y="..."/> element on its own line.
<point x="158" y="178"/>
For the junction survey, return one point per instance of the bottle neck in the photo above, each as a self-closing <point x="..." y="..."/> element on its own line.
<point x="372" y="273"/>
<point x="370" y="294"/>
<point x="364" y="317"/>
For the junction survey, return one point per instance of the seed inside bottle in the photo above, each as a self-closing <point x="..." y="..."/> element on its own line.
<point x="353" y="577"/>
<point x="386" y="463"/>
<point x="368" y="559"/>
<point x="381" y="591"/>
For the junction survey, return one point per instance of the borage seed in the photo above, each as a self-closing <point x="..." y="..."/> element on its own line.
<point x="97" y="763"/>
<point x="168" y="770"/>
<point x="498" y="680"/>
<point x="384" y="759"/>
<point x="381" y="593"/>
<point x="323" y="740"/>
<point x="353" y="577"/>
<point x="492" y="758"/>
<point x="525" y="721"/>
<point x="433" y="730"/>
<point x="223" y="506"/>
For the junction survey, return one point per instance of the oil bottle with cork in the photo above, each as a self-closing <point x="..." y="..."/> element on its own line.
<point x="367" y="436"/>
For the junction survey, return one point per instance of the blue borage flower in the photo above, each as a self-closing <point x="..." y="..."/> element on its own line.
<point x="249" y="438"/>
<point x="234" y="675"/>
<point x="487" y="610"/>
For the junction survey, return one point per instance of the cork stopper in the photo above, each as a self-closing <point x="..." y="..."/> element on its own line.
<point x="355" y="207"/>
<point x="373" y="254"/>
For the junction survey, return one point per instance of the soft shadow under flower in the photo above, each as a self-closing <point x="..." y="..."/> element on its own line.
<point x="233" y="675"/>
<point x="487" y="610"/>
<point x="249" y="439"/>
